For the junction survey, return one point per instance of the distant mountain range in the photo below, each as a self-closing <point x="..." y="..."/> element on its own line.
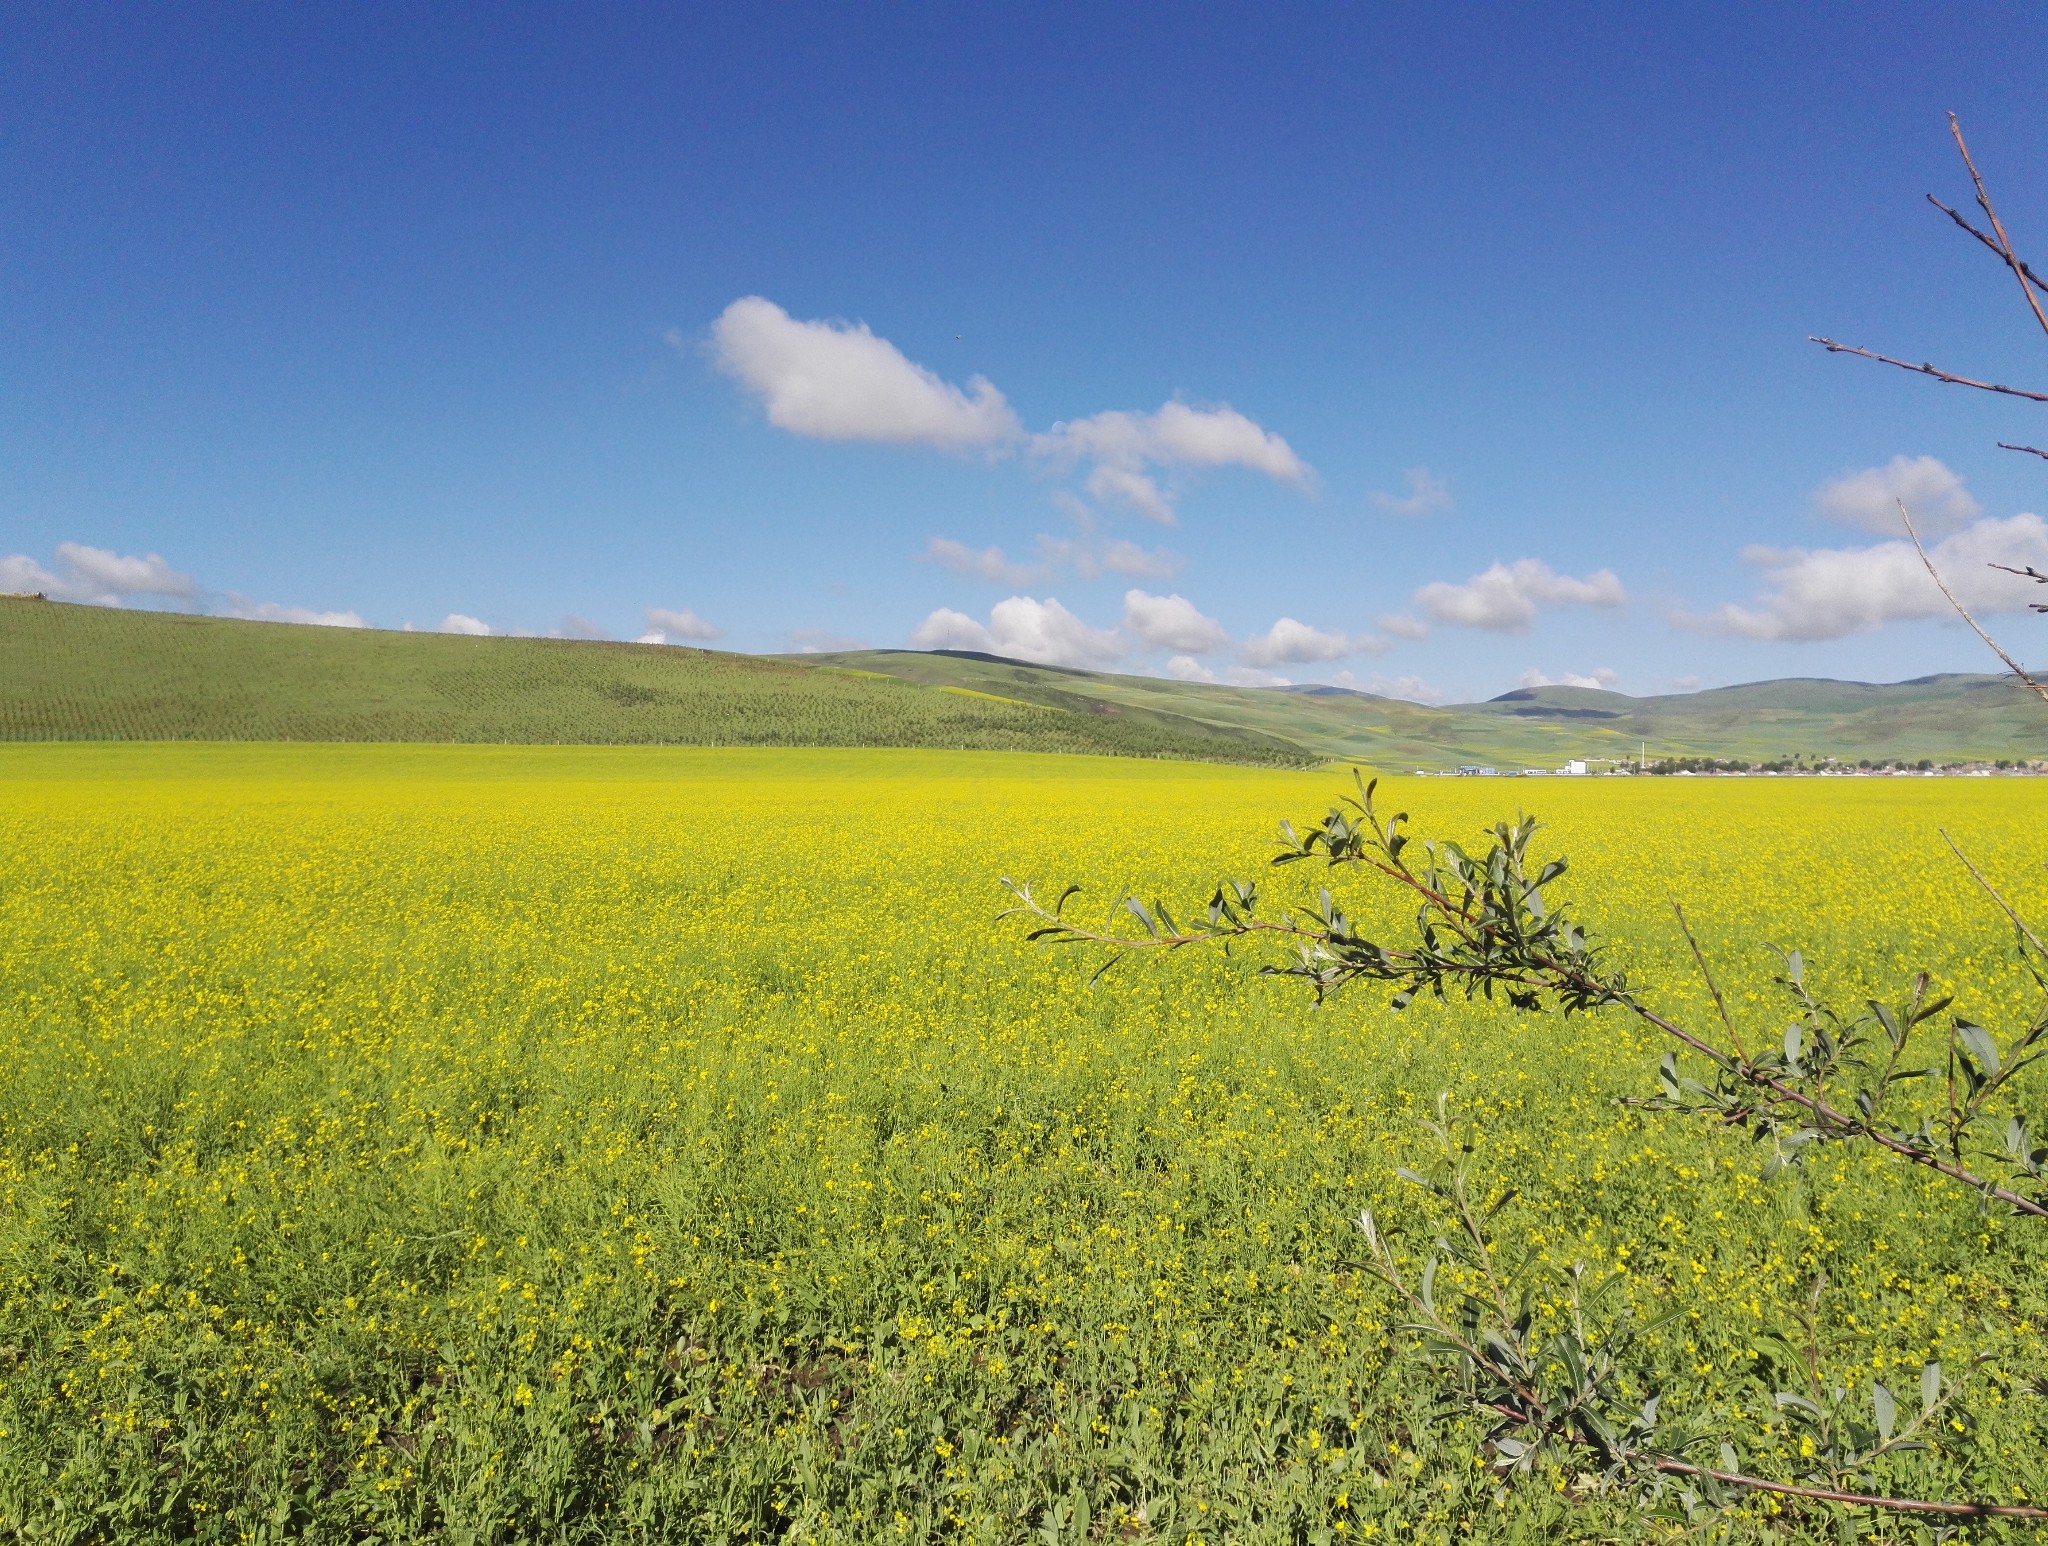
<point x="93" y="673"/>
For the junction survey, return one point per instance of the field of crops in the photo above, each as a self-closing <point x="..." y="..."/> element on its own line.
<point x="610" y="1143"/>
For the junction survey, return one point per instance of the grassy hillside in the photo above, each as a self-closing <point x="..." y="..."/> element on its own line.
<point x="1946" y="718"/>
<point x="92" y="673"/>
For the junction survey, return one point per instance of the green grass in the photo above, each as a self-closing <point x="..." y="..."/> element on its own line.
<point x="508" y="1144"/>
<point x="92" y="673"/>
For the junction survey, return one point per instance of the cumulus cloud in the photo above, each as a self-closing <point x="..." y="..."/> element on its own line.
<point x="1427" y="495"/>
<point x="574" y="627"/>
<point x="1252" y="676"/>
<point x="1412" y="688"/>
<point x="1402" y="626"/>
<point x="1298" y="644"/>
<point x="97" y="576"/>
<point x="819" y="641"/>
<point x="1603" y="677"/>
<point x="1172" y="623"/>
<point x="237" y="605"/>
<point x="1126" y="448"/>
<point x="1827" y="593"/>
<point x="1087" y="556"/>
<point x="1933" y="494"/>
<point x="670" y="627"/>
<point x="1023" y="628"/>
<point x="990" y="564"/>
<point x="1505" y="598"/>
<point x="1186" y="668"/>
<point x="462" y="622"/>
<point x="835" y="380"/>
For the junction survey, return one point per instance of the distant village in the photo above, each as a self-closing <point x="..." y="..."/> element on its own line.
<point x="1718" y="767"/>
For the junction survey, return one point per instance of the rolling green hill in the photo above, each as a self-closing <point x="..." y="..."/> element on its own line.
<point x="1945" y="718"/>
<point x="93" y="673"/>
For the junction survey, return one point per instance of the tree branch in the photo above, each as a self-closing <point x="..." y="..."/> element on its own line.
<point x="2004" y="242"/>
<point x="1964" y="612"/>
<point x="1928" y="370"/>
<point x="2030" y="450"/>
<point x="2026" y="272"/>
<point x="1865" y="1499"/>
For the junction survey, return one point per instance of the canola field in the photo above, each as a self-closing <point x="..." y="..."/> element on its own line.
<point x="551" y="1144"/>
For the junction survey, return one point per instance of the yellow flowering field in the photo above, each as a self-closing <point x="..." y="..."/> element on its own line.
<point x="508" y="1144"/>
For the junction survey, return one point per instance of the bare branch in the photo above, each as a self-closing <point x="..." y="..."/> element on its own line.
<point x="2030" y="450"/>
<point x="1867" y="1500"/>
<point x="1964" y="612"/>
<point x="1928" y="370"/>
<point x="1992" y="891"/>
<point x="2003" y="243"/>
<point x="2025" y="272"/>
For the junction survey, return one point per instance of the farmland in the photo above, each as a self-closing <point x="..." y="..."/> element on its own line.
<point x="559" y="1143"/>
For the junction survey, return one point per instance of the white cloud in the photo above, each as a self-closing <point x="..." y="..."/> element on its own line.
<point x="241" y="606"/>
<point x="1172" y="623"/>
<point x="669" y="627"/>
<point x="1022" y="628"/>
<point x="1933" y="494"/>
<point x="1297" y="643"/>
<point x="1603" y="677"/>
<point x="574" y="627"/>
<point x="1427" y="495"/>
<point x="1124" y="448"/>
<point x="819" y="641"/>
<point x="97" y="576"/>
<point x="1827" y="593"/>
<point x="990" y="564"/>
<point x="1412" y="688"/>
<point x="1402" y="626"/>
<point x="1505" y="597"/>
<point x="1122" y="557"/>
<point x="1251" y="676"/>
<point x="837" y="381"/>
<point x="1188" y="669"/>
<point x="462" y="622"/>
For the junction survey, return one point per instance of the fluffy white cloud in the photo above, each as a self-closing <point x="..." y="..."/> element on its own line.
<point x="97" y="576"/>
<point x="1402" y="626"/>
<point x="990" y="564"/>
<point x="1601" y="677"/>
<point x="1186" y="668"/>
<point x="1172" y="623"/>
<point x="1125" y="447"/>
<point x="1505" y="598"/>
<point x="1252" y="676"/>
<point x="1023" y="628"/>
<point x="668" y="627"/>
<point x="1122" y="557"/>
<point x="1412" y="688"/>
<point x="1827" y="593"/>
<point x="1297" y="643"/>
<point x="819" y="641"/>
<point x="241" y="606"/>
<point x="462" y="622"/>
<point x="838" y="381"/>
<point x="1932" y="493"/>
<point x="1427" y="495"/>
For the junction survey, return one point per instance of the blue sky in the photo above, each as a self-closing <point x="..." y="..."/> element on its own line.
<point x="1478" y="331"/>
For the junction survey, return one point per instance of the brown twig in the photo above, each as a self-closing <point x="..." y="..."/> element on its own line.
<point x="2004" y="445"/>
<point x="1928" y="370"/>
<point x="2004" y="243"/>
<point x="1713" y="987"/>
<point x="1964" y="612"/>
<point x="1992" y="891"/>
<point x="2025" y="271"/>
<point x="1864" y="1499"/>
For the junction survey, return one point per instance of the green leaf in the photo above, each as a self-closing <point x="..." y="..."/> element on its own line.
<point x="1885" y="1409"/>
<point x="1979" y="1041"/>
<point x="1930" y="1387"/>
